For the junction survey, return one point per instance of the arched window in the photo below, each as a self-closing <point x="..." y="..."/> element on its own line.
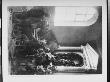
<point x="75" y="16"/>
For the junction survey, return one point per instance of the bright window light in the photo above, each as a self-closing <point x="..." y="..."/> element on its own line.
<point x="75" y="16"/>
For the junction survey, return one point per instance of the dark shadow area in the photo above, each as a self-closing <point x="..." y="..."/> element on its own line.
<point x="108" y="56"/>
<point x="0" y="43"/>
